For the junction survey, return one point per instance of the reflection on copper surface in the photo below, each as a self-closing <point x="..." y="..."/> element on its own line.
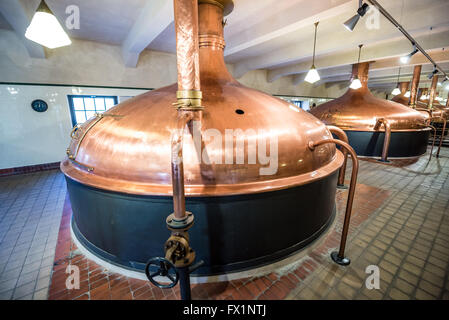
<point x="140" y="163"/>
<point x="401" y="98"/>
<point x="359" y="110"/>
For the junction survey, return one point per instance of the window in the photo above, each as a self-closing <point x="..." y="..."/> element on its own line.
<point x="83" y="108"/>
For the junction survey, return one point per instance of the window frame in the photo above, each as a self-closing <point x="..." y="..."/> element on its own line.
<point x="71" y="97"/>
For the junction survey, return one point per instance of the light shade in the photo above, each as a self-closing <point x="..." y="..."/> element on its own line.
<point x="46" y="30"/>
<point x="352" y="22"/>
<point x="312" y="76"/>
<point x="355" y="84"/>
<point x="396" y="91"/>
<point x="407" y="94"/>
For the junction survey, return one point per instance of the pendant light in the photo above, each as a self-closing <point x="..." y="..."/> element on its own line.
<point x="356" y="84"/>
<point x="407" y="94"/>
<point x="46" y="30"/>
<point x="313" y="76"/>
<point x="396" y="90"/>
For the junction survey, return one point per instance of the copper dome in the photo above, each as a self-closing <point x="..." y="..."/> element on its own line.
<point x="360" y="110"/>
<point x="128" y="148"/>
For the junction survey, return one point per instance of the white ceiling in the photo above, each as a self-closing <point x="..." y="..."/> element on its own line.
<point x="267" y="34"/>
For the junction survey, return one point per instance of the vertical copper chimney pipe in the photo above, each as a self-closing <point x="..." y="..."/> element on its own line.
<point x="361" y="71"/>
<point x="433" y="88"/>
<point x="415" y="86"/>
<point x="187" y="48"/>
<point x="188" y="94"/>
<point x="403" y="86"/>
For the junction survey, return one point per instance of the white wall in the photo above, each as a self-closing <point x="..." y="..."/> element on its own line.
<point x="28" y="137"/>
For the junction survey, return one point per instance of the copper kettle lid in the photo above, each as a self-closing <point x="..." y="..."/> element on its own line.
<point x="359" y="109"/>
<point x="128" y="148"/>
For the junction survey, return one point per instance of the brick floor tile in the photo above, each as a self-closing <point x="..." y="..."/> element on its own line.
<point x="398" y="295"/>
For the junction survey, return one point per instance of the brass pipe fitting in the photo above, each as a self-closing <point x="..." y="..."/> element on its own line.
<point x="178" y="250"/>
<point x="188" y="100"/>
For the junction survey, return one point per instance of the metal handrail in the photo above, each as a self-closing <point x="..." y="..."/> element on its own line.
<point x="339" y="257"/>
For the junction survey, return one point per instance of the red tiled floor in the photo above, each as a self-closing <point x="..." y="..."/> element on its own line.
<point x="99" y="284"/>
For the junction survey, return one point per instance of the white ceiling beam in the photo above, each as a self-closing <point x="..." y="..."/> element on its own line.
<point x="18" y="15"/>
<point x="292" y="18"/>
<point x="384" y="50"/>
<point x="298" y="78"/>
<point x="154" y="18"/>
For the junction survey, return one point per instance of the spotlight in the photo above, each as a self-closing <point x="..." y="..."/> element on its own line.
<point x="46" y="30"/>
<point x="435" y="71"/>
<point x="352" y="22"/>
<point x="406" y="59"/>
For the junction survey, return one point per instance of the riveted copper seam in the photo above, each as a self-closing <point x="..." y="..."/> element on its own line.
<point x="187" y="51"/>
<point x="352" y="185"/>
<point x="343" y="137"/>
<point x="415" y="85"/>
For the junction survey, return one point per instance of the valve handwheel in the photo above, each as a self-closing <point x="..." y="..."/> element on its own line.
<point x="164" y="268"/>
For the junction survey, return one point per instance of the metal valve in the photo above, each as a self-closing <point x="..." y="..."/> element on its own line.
<point x="178" y="250"/>
<point x="161" y="268"/>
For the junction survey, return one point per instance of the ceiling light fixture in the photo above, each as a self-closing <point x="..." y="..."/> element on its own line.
<point x="356" y="84"/>
<point x="406" y="59"/>
<point x="46" y="30"/>
<point x="352" y="22"/>
<point x="313" y="76"/>
<point x="434" y="72"/>
<point x="407" y="94"/>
